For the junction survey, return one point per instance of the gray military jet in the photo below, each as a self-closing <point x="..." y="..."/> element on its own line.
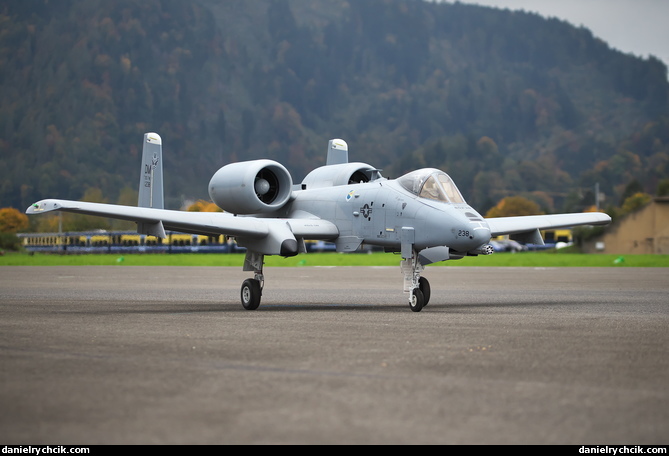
<point x="420" y="215"/>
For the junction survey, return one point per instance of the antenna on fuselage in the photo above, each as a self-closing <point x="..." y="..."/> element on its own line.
<point x="337" y="152"/>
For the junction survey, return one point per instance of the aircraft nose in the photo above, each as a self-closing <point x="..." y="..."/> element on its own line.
<point x="462" y="231"/>
<point x="481" y="235"/>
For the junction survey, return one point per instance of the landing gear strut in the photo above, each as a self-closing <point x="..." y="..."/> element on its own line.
<point x="418" y="287"/>
<point x="252" y="288"/>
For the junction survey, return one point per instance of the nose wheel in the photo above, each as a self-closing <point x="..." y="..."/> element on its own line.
<point x="416" y="300"/>
<point x="418" y="287"/>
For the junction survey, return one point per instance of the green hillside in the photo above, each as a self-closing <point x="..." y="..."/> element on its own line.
<point x="506" y="102"/>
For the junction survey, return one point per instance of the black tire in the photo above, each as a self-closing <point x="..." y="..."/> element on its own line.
<point x="251" y="294"/>
<point x="417" y="301"/>
<point x="424" y="286"/>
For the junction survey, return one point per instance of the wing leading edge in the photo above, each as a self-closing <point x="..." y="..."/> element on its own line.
<point x="206" y="223"/>
<point x="532" y="223"/>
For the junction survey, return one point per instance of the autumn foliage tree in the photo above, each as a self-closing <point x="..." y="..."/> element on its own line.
<point x="203" y="206"/>
<point x="636" y="202"/>
<point x="514" y="206"/>
<point x="11" y="220"/>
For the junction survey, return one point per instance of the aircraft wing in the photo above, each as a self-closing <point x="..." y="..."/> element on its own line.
<point x="206" y="223"/>
<point x="532" y="223"/>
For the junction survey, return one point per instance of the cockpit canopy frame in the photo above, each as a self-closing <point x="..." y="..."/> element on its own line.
<point x="433" y="184"/>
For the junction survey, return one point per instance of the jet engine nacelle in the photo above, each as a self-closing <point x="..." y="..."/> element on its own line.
<point x="251" y="187"/>
<point x="341" y="174"/>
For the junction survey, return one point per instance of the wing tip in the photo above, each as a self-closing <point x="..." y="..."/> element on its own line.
<point x="38" y="207"/>
<point x="42" y="206"/>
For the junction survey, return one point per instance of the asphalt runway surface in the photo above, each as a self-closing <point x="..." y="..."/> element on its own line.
<point x="167" y="355"/>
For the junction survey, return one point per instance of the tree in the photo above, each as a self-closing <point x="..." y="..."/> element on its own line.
<point x="514" y="206"/>
<point x="663" y="188"/>
<point x="636" y="202"/>
<point x="203" y="206"/>
<point x="79" y="222"/>
<point x="11" y="220"/>
<point x="632" y="189"/>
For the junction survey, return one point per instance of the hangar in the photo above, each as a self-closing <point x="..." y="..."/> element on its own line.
<point x="645" y="231"/>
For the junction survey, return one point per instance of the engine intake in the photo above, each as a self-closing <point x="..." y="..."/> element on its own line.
<point x="251" y="187"/>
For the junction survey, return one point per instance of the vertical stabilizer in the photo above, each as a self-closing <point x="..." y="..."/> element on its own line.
<point x="151" y="175"/>
<point x="337" y="152"/>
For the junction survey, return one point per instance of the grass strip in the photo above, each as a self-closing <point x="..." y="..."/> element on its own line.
<point x="523" y="259"/>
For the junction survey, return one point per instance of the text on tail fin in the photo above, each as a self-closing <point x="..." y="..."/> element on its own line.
<point x="151" y="173"/>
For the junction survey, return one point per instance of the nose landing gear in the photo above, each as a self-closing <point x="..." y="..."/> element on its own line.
<point x="418" y="287"/>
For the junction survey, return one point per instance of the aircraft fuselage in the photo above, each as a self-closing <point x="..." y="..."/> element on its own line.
<point x="378" y="213"/>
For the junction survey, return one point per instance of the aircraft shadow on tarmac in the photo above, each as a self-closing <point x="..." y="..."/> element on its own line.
<point x="232" y="307"/>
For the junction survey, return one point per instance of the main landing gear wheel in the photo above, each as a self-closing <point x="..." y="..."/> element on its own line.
<point x="417" y="300"/>
<point x="252" y="288"/>
<point x="251" y="293"/>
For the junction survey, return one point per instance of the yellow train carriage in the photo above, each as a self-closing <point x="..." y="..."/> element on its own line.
<point x="35" y="242"/>
<point x="555" y="236"/>
<point x="125" y="241"/>
<point x="179" y="242"/>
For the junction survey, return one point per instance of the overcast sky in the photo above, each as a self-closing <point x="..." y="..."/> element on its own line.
<point x="639" y="27"/>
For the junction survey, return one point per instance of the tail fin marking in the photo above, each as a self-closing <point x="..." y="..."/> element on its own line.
<point x="151" y="183"/>
<point x="151" y="174"/>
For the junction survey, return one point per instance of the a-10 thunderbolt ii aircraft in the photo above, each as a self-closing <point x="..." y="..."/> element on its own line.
<point x="420" y="215"/>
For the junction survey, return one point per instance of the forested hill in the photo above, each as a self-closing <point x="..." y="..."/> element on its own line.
<point x="506" y="102"/>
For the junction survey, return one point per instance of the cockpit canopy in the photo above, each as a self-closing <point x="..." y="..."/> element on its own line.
<point x="432" y="184"/>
